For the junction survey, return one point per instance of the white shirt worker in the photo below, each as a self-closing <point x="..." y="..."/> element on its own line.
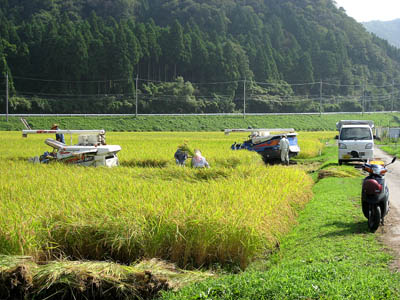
<point x="284" y="149"/>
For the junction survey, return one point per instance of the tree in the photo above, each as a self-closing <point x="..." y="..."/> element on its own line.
<point x="170" y="97"/>
<point x="176" y="48"/>
<point x="200" y="56"/>
<point x="305" y="67"/>
<point x="155" y="50"/>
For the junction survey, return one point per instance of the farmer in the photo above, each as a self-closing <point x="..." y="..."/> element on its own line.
<point x="59" y="136"/>
<point x="198" y="161"/>
<point x="284" y="149"/>
<point x="180" y="157"/>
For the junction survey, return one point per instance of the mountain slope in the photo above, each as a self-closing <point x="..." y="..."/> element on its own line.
<point x="99" y="47"/>
<point x="388" y="30"/>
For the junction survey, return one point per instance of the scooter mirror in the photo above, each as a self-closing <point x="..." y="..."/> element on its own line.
<point x="394" y="159"/>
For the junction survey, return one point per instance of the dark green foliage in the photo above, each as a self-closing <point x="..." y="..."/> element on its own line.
<point x="82" y="49"/>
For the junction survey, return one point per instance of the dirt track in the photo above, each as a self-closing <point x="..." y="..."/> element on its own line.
<point x="390" y="233"/>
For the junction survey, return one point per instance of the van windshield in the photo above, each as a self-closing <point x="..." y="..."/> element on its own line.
<point x="355" y="134"/>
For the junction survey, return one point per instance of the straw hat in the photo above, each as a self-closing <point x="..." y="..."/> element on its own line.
<point x="54" y="126"/>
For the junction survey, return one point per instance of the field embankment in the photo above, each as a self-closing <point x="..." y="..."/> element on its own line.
<point x="199" y="123"/>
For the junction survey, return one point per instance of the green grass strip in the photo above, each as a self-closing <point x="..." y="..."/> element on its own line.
<point x="392" y="149"/>
<point x="198" y="123"/>
<point x="329" y="255"/>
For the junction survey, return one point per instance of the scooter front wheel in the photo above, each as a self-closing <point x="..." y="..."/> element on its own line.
<point x="374" y="217"/>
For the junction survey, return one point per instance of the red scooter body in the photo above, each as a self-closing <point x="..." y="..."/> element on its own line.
<point x="375" y="194"/>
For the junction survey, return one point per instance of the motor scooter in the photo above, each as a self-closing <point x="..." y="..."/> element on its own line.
<point x="375" y="193"/>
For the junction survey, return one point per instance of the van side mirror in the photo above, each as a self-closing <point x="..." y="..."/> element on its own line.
<point x="336" y="137"/>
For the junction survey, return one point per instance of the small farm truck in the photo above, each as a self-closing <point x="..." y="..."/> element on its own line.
<point x="355" y="140"/>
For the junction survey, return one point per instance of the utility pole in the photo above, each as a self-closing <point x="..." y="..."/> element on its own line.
<point x="392" y="96"/>
<point x="136" y="95"/>
<point x="320" y="98"/>
<point x="363" y="98"/>
<point x="244" y="98"/>
<point x="7" y="96"/>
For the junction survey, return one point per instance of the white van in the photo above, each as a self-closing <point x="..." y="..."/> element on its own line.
<point x="355" y="140"/>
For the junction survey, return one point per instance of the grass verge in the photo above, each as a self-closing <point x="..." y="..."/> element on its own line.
<point x="198" y="123"/>
<point x="392" y="149"/>
<point x="329" y="255"/>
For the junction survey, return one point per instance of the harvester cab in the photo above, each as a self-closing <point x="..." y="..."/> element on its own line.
<point x="91" y="149"/>
<point x="266" y="141"/>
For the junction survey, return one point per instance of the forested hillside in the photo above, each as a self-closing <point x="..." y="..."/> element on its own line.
<point x="88" y="56"/>
<point x="388" y="30"/>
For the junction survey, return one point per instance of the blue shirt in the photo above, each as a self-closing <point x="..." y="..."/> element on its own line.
<point x="181" y="156"/>
<point x="60" y="137"/>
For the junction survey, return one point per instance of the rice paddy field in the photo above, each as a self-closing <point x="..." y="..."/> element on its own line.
<point x="229" y="215"/>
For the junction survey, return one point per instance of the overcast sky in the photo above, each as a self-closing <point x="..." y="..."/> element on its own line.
<point x="369" y="10"/>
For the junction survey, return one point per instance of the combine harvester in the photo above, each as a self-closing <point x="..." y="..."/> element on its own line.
<point x="267" y="144"/>
<point x="91" y="149"/>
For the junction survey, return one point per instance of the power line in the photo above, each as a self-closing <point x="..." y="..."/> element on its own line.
<point x="271" y="83"/>
<point x="71" y="95"/>
<point x="72" y="81"/>
<point x="285" y="84"/>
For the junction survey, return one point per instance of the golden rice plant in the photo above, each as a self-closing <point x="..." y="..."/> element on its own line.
<point x="231" y="213"/>
<point x="312" y="143"/>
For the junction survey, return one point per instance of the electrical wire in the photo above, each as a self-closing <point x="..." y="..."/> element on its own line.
<point x="73" y="81"/>
<point x="202" y="83"/>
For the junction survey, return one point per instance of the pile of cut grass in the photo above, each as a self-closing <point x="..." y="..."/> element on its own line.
<point x="23" y="278"/>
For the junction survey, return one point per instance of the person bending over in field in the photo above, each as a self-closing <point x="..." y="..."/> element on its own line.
<point x="198" y="161"/>
<point x="180" y="157"/>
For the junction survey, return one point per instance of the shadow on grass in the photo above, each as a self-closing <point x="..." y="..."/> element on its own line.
<point x="346" y="228"/>
<point x="146" y="163"/>
<point x="331" y="164"/>
<point x="277" y="161"/>
<point x="18" y="159"/>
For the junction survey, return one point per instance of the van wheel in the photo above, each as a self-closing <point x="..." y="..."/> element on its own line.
<point x="340" y="162"/>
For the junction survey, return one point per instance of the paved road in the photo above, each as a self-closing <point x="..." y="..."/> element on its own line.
<point x="390" y="233"/>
